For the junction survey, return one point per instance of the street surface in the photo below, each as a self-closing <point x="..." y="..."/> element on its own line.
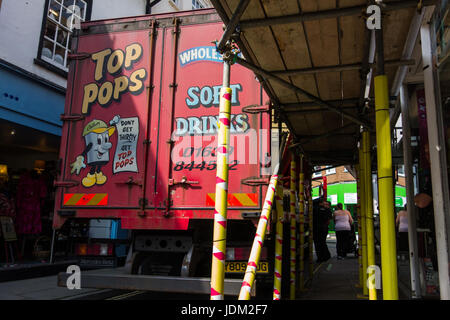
<point x="45" y="288"/>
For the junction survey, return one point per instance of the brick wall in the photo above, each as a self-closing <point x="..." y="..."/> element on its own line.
<point x="339" y="176"/>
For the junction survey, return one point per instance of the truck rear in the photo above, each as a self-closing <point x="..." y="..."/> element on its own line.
<point x="139" y="141"/>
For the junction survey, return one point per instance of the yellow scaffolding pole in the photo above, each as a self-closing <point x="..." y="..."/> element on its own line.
<point x="255" y="254"/>
<point x="363" y="220"/>
<point x="369" y="215"/>
<point x="220" y="212"/>
<point x="293" y="229"/>
<point x="301" y="196"/>
<point x="278" y="265"/>
<point x="385" y="189"/>
<point x="358" y="214"/>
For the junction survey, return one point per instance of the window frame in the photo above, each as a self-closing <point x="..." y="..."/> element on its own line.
<point x="317" y="174"/>
<point x="41" y="62"/>
<point x="202" y="6"/>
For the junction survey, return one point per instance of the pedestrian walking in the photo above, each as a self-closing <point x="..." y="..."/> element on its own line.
<point x="321" y="219"/>
<point x="343" y="224"/>
<point x="402" y="223"/>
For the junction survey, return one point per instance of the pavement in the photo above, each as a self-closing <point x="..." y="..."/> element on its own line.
<point x="339" y="279"/>
<point x="42" y="288"/>
<point x="334" y="279"/>
<point x="34" y="280"/>
<point x="32" y="269"/>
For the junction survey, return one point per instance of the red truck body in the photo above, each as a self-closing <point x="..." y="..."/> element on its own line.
<point x="140" y="124"/>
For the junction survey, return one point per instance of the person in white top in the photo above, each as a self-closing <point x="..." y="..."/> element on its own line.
<point x="402" y="222"/>
<point x="342" y="225"/>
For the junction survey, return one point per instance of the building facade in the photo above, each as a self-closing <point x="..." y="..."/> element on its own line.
<point x="341" y="188"/>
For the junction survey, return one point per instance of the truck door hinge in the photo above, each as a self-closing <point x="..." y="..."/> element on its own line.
<point x="78" y="56"/>
<point x="65" y="184"/>
<point x="166" y="211"/>
<point x="255" y="181"/>
<point x="256" y="108"/>
<point x="143" y="202"/>
<point x="130" y="182"/>
<point x="72" y="117"/>
<point x="184" y="181"/>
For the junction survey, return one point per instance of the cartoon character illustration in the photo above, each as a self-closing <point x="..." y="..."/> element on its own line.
<point x="96" y="136"/>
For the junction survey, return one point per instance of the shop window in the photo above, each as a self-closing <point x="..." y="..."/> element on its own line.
<point x="197" y="5"/>
<point x="61" y="17"/>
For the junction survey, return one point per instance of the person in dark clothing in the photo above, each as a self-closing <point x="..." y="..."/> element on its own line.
<point x="321" y="218"/>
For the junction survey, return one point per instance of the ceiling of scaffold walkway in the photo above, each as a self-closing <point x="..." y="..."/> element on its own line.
<point x="323" y="48"/>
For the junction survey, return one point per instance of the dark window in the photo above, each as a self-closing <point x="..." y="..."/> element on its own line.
<point x="60" y="19"/>
<point x="197" y="4"/>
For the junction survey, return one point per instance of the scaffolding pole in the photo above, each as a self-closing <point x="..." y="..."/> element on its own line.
<point x="411" y="209"/>
<point x="437" y="147"/>
<point x="255" y="254"/>
<point x="362" y="198"/>
<point x="310" y="232"/>
<point x="220" y="210"/>
<point x="358" y="215"/>
<point x="293" y="229"/>
<point x="385" y="179"/>
<point x="278" y="265"/>
<point x="369" y="216"/>
<point x="301" y="196"/>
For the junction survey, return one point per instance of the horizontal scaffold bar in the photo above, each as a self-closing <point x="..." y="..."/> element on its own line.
<point x="327" y="14"/>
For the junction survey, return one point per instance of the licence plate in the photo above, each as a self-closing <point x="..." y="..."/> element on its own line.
<point x="241" y="266"/>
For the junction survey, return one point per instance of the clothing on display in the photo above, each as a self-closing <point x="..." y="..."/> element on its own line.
<point x="30" y="192"/>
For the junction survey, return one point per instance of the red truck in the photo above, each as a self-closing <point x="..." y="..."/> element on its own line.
<point x="139" y="140"/>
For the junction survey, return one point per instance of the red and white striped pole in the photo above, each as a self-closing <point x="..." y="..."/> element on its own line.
<point x="255" y="254"/>
<point x="220" y="209"/>
<point x="278" y="265"/>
